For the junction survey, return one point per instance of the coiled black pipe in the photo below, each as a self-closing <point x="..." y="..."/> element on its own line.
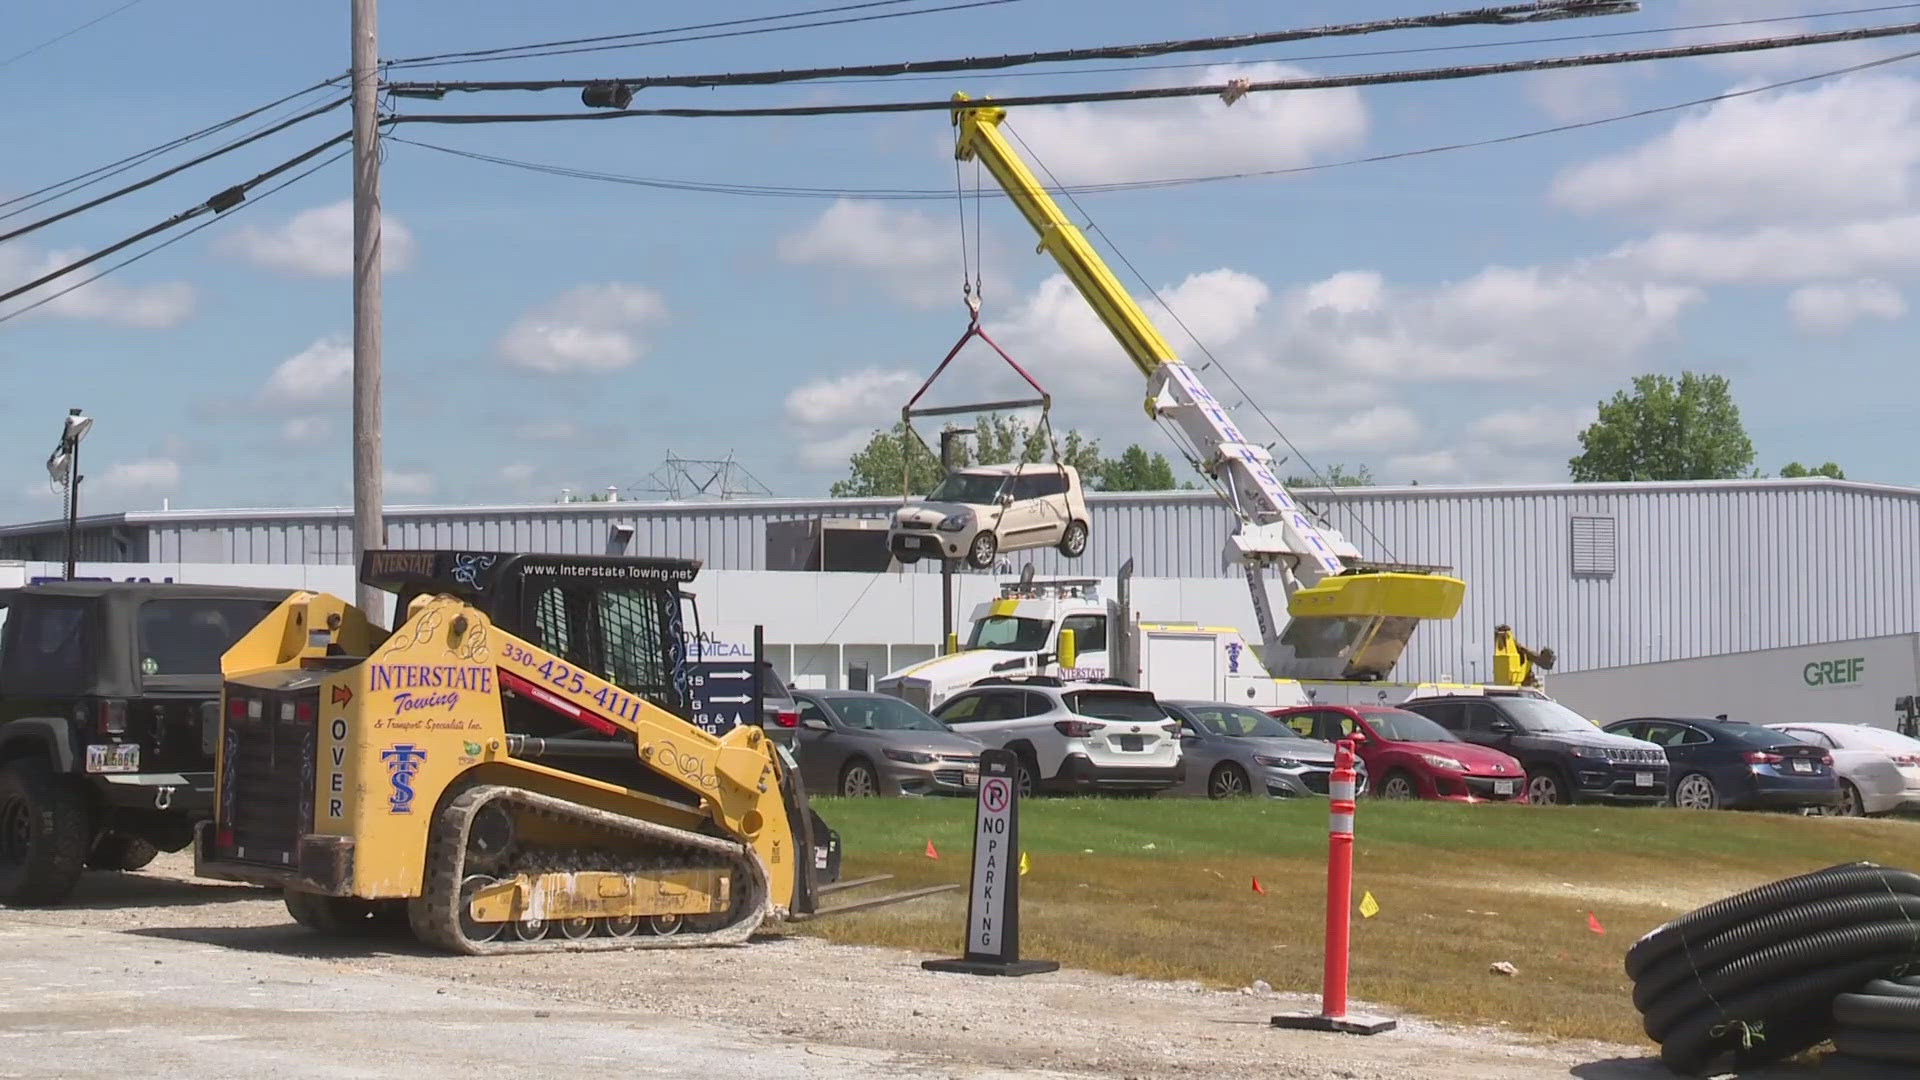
<point x="1766" y="1023"/>
<point x="1880" y="1022"/>
<point x="1704" y="922"/>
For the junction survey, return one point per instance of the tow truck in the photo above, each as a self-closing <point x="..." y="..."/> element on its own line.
<point x="1350" y="618"/>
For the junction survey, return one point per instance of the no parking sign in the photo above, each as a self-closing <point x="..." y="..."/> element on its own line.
<point x="993" y="893"/>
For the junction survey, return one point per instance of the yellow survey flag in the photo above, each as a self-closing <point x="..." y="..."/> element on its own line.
<point x="1369" y="907"/>
<point x="1023" y="864"/>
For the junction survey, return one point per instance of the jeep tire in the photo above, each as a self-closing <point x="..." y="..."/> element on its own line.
<point x="44" y="833"/>
<point x="114" y="851"/>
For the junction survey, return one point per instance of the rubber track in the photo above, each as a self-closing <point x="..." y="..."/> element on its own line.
<point x="435" y="914"/>
<point x="1703" y="923"/>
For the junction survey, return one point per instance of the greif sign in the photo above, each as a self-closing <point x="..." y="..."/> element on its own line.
<point x="1842" y="672"/>
<point x="993" y="892"/>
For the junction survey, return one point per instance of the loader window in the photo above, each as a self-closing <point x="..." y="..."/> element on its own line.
<point x="624" y="635"/>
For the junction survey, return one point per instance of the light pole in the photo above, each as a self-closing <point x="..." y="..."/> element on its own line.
<point x="63" y="467"/>
<point x="947" y="436"/>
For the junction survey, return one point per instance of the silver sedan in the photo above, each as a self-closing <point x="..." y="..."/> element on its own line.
<point x="1235" y="750"/>
<point x="855" y="743"/>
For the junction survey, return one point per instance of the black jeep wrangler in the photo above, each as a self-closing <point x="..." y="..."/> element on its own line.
<point x="109" y="695"/>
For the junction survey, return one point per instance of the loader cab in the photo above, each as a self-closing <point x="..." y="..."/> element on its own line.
<point x="623" y="618"/>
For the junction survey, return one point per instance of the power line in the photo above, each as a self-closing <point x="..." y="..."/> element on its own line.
<point x="923" y="194"/>
<point x="156" y="178"/>
<point x="172" y="240"/>
<point x="709" y="37"/>
<point x="217" y="203"/>
<point x="1509" y="15"/>
<point x="1235" y="88"/>
<point x="62" y="37"/>
<point x="114" y="168"/>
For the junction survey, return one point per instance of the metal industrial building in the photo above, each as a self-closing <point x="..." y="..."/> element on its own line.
<point x="1605" y="574"/>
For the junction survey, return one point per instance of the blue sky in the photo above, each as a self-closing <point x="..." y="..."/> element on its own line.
<point x="1448" y="318"/>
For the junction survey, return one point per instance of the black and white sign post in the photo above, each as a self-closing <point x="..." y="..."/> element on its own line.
<point x="993" y="896"/>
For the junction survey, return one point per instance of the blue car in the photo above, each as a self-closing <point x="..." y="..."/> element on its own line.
<point x="1725" y="764"/>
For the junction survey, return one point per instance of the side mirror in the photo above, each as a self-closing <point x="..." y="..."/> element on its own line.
<point x="1501" y="727"/>
<point x="1069" y="652"/>
<point x="814" y="723"/>
<point x="1005" y="499"/>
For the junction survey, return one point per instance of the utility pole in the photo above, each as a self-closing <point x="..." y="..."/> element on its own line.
<point x="369" y="526"/>
<point x="947" y="643"/>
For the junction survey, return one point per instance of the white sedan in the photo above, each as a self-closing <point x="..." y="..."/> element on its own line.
<point x="1879" y="769"/>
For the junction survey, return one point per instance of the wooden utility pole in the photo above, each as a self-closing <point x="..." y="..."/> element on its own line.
<point x="369" y="527"/>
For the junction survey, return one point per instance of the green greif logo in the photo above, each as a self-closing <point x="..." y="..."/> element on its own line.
<point x="1834" y="672"/>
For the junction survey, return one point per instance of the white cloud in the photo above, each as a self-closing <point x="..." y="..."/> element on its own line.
<point x="547" y="431"/>
<point x="1533" y="427"/>
<point x="867" y="396"/>
<point x="145" y="307"/>
<point x="319" y="243"/>
<point x="518" y="472"/>
<point x="1159" y="139"/>
<point x="1836" y="307"/>
<point x="319" y="374"/>
<point x="905" y="252"/>
<point x="1830" y="152"/>
<point x="1778" y="254"/>
<point x="406" y="485"/>
<point x="153" y="476"/>
<point x="305" y="429"/>
<point x="589" y="329"/>
<point x="1378" y="428"/>
<point x="1570" y="95"/>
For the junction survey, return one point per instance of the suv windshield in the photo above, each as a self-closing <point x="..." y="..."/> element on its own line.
<point x="188" y="637"/>
<point x="1547" y="717"/>
<point x="1399" y="725"/>
<point x="973" y="488"/>
<point x="1010" y="633"/>
<point x="1241" y="722"/>
<point x="1114" y="705"/>
<point x="882" y="714"/>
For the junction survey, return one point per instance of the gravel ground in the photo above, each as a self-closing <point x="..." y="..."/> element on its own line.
<point x="803" y="990"/>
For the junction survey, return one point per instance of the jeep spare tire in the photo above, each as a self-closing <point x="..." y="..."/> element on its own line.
<point x="43" y="833"/>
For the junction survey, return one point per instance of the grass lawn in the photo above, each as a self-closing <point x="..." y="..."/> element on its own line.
<point x="1162" y="888"/>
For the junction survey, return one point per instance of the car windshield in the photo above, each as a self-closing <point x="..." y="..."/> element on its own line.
<point x="1115" y="705"/>
<point x="1240" y="722"/>
<point x="1399" y="725"/>
<point x="881" y="714"/>
<point x="188" y="637"/>
<point x="973" y="488"/>
<point x="1010" y="633"/>
<point x="1541" y="715"/>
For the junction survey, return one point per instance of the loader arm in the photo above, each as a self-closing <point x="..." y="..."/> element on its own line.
<point x="1350" y="618"/>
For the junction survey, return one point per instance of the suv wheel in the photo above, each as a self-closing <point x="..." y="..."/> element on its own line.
<point x="113" y="851"/>
<point x="1073" y="542"/>
<point x="1025" y="776"/>
<point x="1548" y="787"/>
<point x="43" y="833"/>
<point x="981" y="552"/>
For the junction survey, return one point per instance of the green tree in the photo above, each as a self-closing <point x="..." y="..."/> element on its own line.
<point x="1335" y="475"/>
<point x="1666" y="429"/>
<point x="1135" y="470"/>
<point x="1793" y="469"/>
<point x="876" y="468"/>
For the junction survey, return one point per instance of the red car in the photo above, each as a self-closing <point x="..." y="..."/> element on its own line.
<point x="1411" y="757"/>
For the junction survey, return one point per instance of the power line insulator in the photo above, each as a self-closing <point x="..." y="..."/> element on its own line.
<point x="606" y="95"/>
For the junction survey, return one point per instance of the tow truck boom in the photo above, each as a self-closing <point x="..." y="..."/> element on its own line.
<point x="1350" y="618"/>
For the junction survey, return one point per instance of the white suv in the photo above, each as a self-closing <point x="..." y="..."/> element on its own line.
<point x="982" y="510"/>
<point x="1072" y="736"/>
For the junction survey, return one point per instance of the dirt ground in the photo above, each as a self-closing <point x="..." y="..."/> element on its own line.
<point x="803" y="989"/>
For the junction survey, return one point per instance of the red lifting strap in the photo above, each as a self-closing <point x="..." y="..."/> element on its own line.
<point x="973" y="331"/>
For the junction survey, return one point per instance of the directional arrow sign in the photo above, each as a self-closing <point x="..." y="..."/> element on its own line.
<point x="741" y="700"/>
<point x="716" y="712"/>
<point x="741" y="675"/>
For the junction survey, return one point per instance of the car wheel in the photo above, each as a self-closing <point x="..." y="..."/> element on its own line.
<point x="43" y="833"/>
<point x="1695" y="791"/>
<point x="857" y="780"/>
<point x="1026" y="776"/>
<point x="115" y="852"/>
<point x="1850" y="804"/>
<point x="1228" y="782"/>
<point x="1548" y="787"/>
<point x="981" y="553"/>
<point x="1073" y="542"/>
<point x="1399" y="786"/>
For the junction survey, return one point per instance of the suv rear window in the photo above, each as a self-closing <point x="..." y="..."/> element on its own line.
<point x="188" y="637"/>
<point x="1114" y="705"/>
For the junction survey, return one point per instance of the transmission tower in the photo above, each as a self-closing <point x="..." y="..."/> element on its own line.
<point x="681" y="478"/>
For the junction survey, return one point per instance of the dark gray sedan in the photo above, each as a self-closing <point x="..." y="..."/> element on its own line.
<point x="1235" y="750"/>
<point x="855" y="743"/>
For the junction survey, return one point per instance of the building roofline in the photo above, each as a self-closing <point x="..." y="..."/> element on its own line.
<point x="872" y="506"/>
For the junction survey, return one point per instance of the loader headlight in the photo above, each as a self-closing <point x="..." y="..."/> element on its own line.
<point x="955" y="523"/>
<point x="911" y="757"/>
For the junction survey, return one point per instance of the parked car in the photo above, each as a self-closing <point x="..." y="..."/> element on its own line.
<point x="1879" y="769"/>
<point x="1723" y="764"/>
<point x="855" y="744"/>
<point x="1567" y="757"/>
<point x="978" y="512"/>
<point x="1411" y="756"/>
<point x="779" y="716"/>
<point x="1072" y="736"/>
<point x="1233" y="750"/>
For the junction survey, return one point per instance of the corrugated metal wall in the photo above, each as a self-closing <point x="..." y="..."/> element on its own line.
<point x="1698" y="569"/>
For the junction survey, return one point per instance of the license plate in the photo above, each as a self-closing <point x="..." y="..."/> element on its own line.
<point x="1802" y="765"/>
<point x="971" y="779"/>
<point x="1503" y="787"/>
<point x="124" y="757"/>
<point x="1131" y="742"/>
<point x="1644" y="779"/>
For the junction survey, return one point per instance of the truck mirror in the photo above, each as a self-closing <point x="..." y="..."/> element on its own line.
<point x="1068" y="652"/>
